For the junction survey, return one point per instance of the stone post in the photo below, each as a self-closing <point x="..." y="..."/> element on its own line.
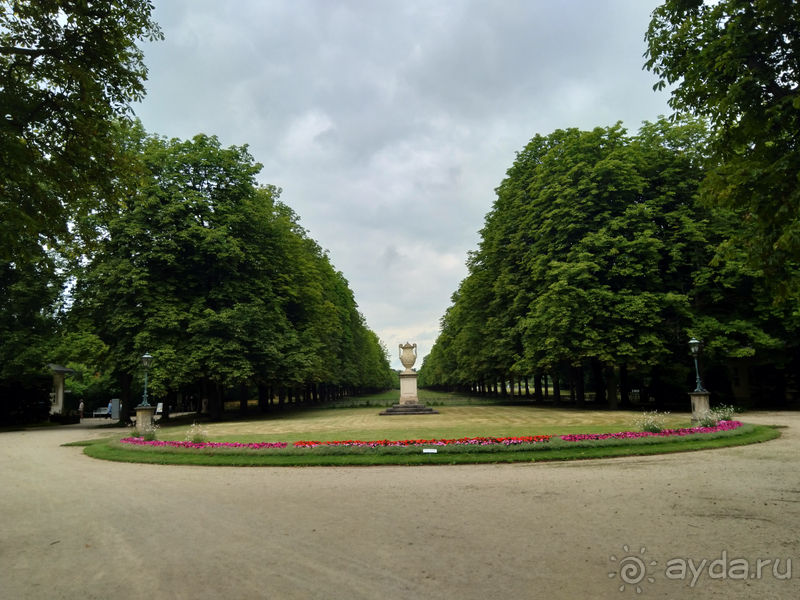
<point x="700" y="405"/>
<point x="144" y="417"/>
<point x="408" y="388"/>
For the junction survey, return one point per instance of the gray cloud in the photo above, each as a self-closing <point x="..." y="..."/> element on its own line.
<point x="389" y="124"/>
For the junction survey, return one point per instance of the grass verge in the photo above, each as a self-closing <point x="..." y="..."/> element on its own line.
<point x="112" y="450"/>
<point x="87" y="442"/>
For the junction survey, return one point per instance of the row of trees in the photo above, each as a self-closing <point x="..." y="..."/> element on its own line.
<point x="114" y="243"/>
<point x="215" y="277"/>
<point x="207" y="271"/>
<point x="599" y="255"/>
<point x="607" y="252"/>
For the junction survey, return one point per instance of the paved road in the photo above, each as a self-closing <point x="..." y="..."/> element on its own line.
<point x="76" y="528"/>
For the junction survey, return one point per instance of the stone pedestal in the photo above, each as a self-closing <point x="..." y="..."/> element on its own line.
<point x="409" y="403"/>
<point x="408" y="388"/>
<point x="700" y="405"/>
<point x="144" y="417"/>
<point x="409" y="409"/>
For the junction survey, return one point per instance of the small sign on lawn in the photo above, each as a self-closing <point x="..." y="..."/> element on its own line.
<point x="429" y="450"/>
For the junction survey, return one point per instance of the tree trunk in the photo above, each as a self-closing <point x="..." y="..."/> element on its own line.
<point x="166" y="409"/>
<point x="214" y="401"/>
<point x="571" y="372"/>
<point x="537" y="388"/>
<point x="243" y="399"/>
<point x="556" y="390"/>
<point x="656" y="389"/>
<point x="263" y="398"/>
<point x="599" y="383"/>
<point x="125" y="404"/>
<point x="527" y="389"/>
<point x="203" y="395"/>
<point x="580" y="391"/>
<point x="624" y="392"/>
<point x="281" y="396"/>
<point x="611" y="386"/>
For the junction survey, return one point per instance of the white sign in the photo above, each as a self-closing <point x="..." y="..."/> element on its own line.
<point x="429" y="451"/>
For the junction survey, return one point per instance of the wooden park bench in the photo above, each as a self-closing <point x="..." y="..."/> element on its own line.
<point x="101" y="412"/>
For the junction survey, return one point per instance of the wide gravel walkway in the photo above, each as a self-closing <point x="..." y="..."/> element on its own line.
<point x="76" y="528"/>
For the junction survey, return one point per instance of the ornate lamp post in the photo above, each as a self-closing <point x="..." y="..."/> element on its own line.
<point x="694" y="345"/>
<point x="700" y="396"/>
<point x="146" y="360"/>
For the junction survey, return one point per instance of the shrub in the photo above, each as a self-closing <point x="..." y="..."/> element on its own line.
<point x="196" y="434"/>
<point x="25" y="402"/>
<point x="709" y="418"/>
<point x="706" y="418"/>
<point x="652" y="422"/>
<point x="148" y="433"/>
<point x="724" y="412"/>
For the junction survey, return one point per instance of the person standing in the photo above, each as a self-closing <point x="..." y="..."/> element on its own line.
<point x="80" y="410"/>
<point x="109" y="410"/>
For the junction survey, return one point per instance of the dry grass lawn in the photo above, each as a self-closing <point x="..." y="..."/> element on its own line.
<point x="453" y="421"/>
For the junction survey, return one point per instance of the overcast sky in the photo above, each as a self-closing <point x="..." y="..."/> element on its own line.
<point x="388" y="124"/>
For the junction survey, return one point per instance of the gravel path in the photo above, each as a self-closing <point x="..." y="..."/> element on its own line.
<point x="77" y="528"/>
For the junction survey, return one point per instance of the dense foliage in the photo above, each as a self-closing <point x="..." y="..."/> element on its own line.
<point x="597" y="254"/>
<point x="737" y="63"/>
<point x="213" y="276"/>
<point x="114" y="243"/>
<point x="68" y="71"/>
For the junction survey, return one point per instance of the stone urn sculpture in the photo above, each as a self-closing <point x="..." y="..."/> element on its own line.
<point x="409" y="403"/>
<point x="408" y="356"/>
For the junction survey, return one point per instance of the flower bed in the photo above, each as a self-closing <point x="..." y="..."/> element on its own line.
<point x="474" y="441"/>
<point x="478" y="441"/>
<point x="630" y="435"/>
<point x="202" y="445"/>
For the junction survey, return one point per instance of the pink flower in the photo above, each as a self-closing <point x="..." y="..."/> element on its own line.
<point x="201" y="445"/>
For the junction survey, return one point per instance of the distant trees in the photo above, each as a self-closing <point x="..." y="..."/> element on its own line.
<point x="215" y="278"/>
<point x="596" y="255"/>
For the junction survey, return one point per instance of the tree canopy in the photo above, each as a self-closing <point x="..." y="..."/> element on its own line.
<point x="736" y="63"/>
<point x="69" y="70"/>
<point x="213" y="276"/>
<point x="597" y="254"/>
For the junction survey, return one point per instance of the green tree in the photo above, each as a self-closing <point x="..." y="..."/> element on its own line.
<point x="29" y="322"/>
<point x="597" y="253"/>
<point x="184" y="271"/>
<point x="215" y="278"/>
<point x="29" y="309"/>
<point x="735" y="63"/>
<point x="69" y="69"/>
